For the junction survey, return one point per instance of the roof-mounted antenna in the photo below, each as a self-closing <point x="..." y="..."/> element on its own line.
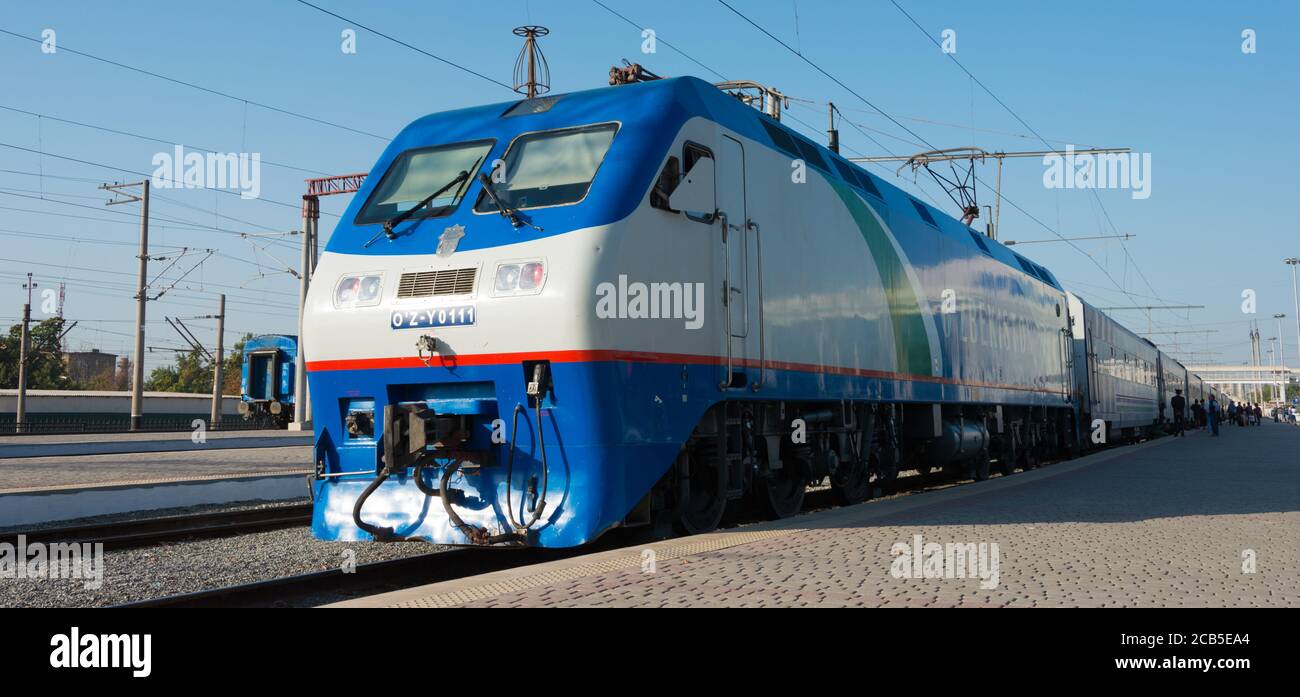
<point x="532" y="75"/>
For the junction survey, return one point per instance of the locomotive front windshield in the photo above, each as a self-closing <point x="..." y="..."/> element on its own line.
<point x="550" y="168"/>
<point x="417" y="173"/>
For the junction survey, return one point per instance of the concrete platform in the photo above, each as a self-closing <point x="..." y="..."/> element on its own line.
<point x="24" y="475"/>
<point x="109" y="443"/>
<point x="1194" y="521"/>
<point x="18" y="510"/>
<point x="43" y="489"/>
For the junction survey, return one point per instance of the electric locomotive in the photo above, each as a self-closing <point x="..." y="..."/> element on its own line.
<point x="639" y="305"/>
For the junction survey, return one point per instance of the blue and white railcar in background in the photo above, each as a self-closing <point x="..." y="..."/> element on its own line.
<point x="267" y="377"/>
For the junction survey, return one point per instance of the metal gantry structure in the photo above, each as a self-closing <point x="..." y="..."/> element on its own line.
<point x="316" y="188"/>
<point x="960" y="186"/>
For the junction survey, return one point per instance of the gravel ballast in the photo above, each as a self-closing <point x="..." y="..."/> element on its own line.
<point x="170" y="569"/>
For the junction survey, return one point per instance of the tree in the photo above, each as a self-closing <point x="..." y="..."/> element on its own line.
<point x="106" y="380"/>
<point x="45" y="367"/>
<point x="190" y="374"/>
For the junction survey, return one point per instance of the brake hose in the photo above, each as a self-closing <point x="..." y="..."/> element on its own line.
<point x="476" y="534"/>
<point x="385" y="534"/>
<point x="381" y="534"/>
<point x="510" y="468"/>
<point x="418" y="473"/>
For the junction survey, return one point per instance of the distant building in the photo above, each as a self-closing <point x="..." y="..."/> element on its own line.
<point x="83" y="366"/>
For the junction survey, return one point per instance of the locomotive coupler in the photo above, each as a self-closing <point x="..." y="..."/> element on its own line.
<point x="411" y="430"/>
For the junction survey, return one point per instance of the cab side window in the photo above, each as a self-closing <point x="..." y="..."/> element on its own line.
<point x="664" y="185"/>
<point x="676" y="171"/>
<point x="691" y="154"/>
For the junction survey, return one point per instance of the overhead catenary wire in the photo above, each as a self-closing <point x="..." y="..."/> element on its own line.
<point x="952" y="56"/>
<point x="812" y="129"/>
<point x="45" y="195"/>
<point x="178" y="222"/>
<point x="232" y="192"/>
<point x="151" y="139"/>
<point x="658" y="40"/>
<point x="417" y="49"/>
<point x="123" y="273"/>
<point x="111" y="221"/>
<point x="262" y="105"/>
<point x="911" y="132"/>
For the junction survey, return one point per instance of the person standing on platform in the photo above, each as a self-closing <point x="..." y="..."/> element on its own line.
<point x="1213" y="415"/>
<point x="1259" y="414"/>
<point x="1179" y="403"/>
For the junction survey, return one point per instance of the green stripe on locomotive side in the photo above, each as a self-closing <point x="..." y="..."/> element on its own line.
<point x="911" y="342"/>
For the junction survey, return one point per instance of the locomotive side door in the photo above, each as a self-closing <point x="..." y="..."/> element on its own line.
<point x="739" y="258"/>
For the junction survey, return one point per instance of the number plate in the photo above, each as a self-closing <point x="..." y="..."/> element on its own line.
<point x="458" y="316"/>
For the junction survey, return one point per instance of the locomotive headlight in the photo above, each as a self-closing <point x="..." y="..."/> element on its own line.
<point x="507" y="278"/>
<point x="519" y="278"/>
<point x="370" y="288"/>
<point x="358" y="290"/>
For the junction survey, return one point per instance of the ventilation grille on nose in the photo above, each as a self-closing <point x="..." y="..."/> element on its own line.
<point x="423" y="284"/>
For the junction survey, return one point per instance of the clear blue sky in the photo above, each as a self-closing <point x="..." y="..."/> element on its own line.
<point x="1168" y="78"/>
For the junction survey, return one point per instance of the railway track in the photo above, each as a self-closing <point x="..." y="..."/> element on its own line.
<point x="151" y="531"/>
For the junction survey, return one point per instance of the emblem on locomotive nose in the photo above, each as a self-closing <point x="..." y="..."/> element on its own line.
<point x="448" y="240"/>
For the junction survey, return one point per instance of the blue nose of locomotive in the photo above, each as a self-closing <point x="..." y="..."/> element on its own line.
<point x="458" y="390"/>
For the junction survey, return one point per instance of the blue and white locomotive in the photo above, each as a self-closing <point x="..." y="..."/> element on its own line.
<point x="543" y="319"/>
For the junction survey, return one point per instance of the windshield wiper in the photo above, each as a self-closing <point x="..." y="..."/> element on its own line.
<point x="401" y="217"/>
<point x="502" y="208"/>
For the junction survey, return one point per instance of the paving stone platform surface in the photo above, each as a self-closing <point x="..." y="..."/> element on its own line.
<point x="1193" y="521"/>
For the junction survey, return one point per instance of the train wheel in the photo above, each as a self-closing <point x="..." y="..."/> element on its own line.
<point x="886" y="474"/>
<point x="1028" y="459"/>
<point x="852" y="482"/>
<point x="1007" y="463"/>
<point x="981" y="466"/>
<point x="708" y="497"/>
<point x="781" y="493"/>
